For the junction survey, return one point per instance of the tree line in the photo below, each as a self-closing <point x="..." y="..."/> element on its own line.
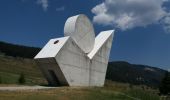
<point x="18" y="50"/>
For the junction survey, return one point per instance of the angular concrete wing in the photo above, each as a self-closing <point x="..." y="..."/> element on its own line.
<point x="99" y="57"/>
<point x="64" y="62"/>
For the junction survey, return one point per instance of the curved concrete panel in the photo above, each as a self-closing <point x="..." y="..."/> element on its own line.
<point x="80" y="29"/>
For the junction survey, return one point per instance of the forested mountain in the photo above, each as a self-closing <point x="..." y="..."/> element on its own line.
<point x="134" y="74"/>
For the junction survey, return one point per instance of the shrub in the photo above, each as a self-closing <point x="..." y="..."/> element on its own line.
<point x="165" y="84"/>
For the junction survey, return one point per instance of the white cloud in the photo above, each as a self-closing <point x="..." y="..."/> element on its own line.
<point x="60" y="8"/>
<point x="166" y="23"/>
<point x="127" y="14"/>
<point x="43" y="3"/>
<point x="168" y="69"/>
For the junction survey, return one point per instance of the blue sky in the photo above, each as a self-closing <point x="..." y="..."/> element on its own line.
<point x="142" y="27"/>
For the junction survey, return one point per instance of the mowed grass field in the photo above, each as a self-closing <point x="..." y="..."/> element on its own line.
<point x="111" y="91"/>
<point x="11" y="68"/>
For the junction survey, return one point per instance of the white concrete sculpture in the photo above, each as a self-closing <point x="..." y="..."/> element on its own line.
<point x="78" y="59"/>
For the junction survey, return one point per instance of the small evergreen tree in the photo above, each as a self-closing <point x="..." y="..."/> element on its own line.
<point x="131" y="86"/>
<point x="165" y="84"/>
<point x="21" y="79"/>
<point x="0" y="80"/>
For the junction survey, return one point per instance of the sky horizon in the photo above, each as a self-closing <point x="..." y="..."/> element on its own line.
<point x="142" y="27"/>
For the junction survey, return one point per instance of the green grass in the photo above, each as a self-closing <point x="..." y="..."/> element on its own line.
<point x="144" y="95"/>
<point x="11" y="68"/>
<point x="9" y="78"/>
<point x="77" y="93"/>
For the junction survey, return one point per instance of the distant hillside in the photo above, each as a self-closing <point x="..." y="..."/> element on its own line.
<point x="18" y="50"/>
<point x="134" y="74"/>
<point x="117" y="71"/>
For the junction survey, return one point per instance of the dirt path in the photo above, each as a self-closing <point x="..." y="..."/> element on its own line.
<point x="17" y="88"/>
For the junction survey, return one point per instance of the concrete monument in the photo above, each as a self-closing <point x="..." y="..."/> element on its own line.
<point x="78" y="59"/>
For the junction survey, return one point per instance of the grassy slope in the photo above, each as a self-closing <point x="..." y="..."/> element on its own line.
<point x="11" y="68"/>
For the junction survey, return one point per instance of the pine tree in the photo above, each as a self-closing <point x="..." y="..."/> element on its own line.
<point x="21" y="79"/>
<point x="0" y="80"/>
<point x="165" y="84"/>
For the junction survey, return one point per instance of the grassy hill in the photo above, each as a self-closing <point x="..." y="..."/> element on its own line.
<point x="11" y="68"/>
